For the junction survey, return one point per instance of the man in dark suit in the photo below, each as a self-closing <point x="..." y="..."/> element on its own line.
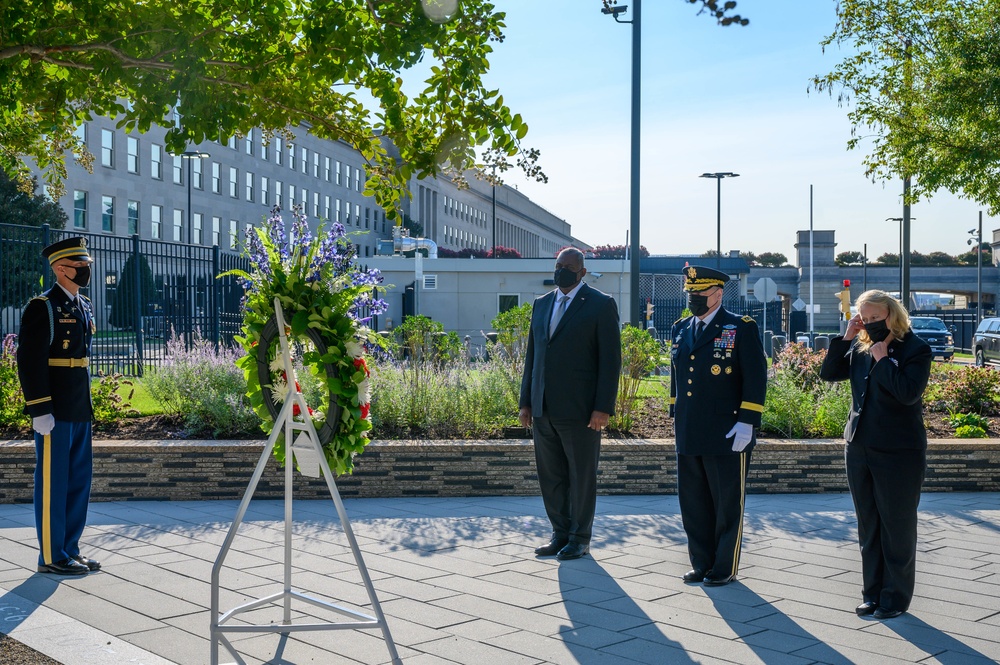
<point x="53" y="366"/>
<point x="568" y="392"/>
<point x="718" y="378"/>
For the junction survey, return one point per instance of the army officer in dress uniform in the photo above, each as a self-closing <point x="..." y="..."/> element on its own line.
<point x="52" y="363"/>
<point x="718" y="378"/>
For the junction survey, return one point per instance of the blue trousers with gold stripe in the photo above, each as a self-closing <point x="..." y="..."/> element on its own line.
<point x="711" y="491"/>
<point x="63" y="471"/>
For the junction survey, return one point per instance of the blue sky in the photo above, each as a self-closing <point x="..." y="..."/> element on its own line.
<point x="713" y="99"/>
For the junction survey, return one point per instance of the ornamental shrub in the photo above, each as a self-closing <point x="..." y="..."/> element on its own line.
<point x="970" y="432"/>
<point x="971" y="390"/>
<point x="799" y="403"/>
<point x="204" y="386"/>
<point x="11" y="400"/>
<point x="110" y="406"/>
<point x="640" y="354"/>
<point x="957" y="420"/>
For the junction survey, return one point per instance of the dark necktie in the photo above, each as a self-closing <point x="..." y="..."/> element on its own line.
<point x="699" y="329"/>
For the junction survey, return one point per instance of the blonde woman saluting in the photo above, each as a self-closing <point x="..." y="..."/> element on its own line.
<point x="888" y="367"/>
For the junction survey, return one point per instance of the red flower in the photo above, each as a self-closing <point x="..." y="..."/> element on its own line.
<point x="359" y="363"/>
<point x="365" y="408"/>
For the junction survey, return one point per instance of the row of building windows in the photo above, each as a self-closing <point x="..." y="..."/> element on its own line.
<point x="341" y="211"/>
<point x="464" y="211"/>
<point x="462" y="238"/>
<point x="320" y="166"/>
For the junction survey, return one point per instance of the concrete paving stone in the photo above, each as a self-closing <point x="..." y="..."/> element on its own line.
<point x="415" y="590"/>
<point x="429" y="659"/>
<point x="159" y="604"/>
<point x="732" y="607"/>
<point x="934" y="641"/>
<point x="556" y="651"/>
<point x="657" y="653"/>
<point x="172" y="643"/>
<point x="478" y="630"/>
<point x="611" y="617"/>
<point x="698" y="645"/>
<point x="652" y="612"/>
<point x="957" y="658"/>
<point x="593" y="637"/>
<point x="470" y="651"/>
<point x="433" y="615"/>
<point x="510" y="595"/>
<point x="327" y="646"/>
<point x="508" y="615"/>
<point x="76" y="643"/>
<point x="106" y="615"/>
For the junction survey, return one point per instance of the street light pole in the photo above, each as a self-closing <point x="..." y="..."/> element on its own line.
<point x="614" y="10"/>
<point x="904" y="246"/>
<point x="978" y="237"/>
<point x="494" y="215"/>
<point x="718" y="211"/>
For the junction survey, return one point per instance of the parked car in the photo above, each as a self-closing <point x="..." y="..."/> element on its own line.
<point x="986" y="342"/>
<point x="933" y="330"/>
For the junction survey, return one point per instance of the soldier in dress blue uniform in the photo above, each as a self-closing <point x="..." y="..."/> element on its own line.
<point x="53" y="365"/>
<point x="718" y="378"/>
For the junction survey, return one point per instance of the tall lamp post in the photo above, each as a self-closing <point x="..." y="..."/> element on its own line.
<point x="718" y="210"/>
<point x="977" y="237"/>
<point x="190" y="156"/>
<point x="635" y="316"/>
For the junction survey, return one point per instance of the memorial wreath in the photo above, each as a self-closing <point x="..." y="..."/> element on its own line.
<point x="325" y="297"/>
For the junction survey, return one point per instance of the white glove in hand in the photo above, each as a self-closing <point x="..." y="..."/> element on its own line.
<point x="43" y="424"/>
<point x="744" y="433"/>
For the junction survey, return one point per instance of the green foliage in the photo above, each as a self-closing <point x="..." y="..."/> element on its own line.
<point x="957" y="420"/>
<point x="970" y="432"/>
<point x="972" y="390"/>
<point x="850" y="259"/>
<point x="21" y="263"/>
<point x="203" y="386"/>
<point x="511" y="346"/>
<point x="416" y="335"/>
<point x="640" y="353"/>
<point x="771" y="259"/>
<point x="11" y="400"/>
<point x="799" y="403"/>
<point x="124" y="303"/>
<point x="921" y="79"/>
<point x="110" y="406"/>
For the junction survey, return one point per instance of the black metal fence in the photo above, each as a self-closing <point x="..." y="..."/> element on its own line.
<point x="142" y="292"/>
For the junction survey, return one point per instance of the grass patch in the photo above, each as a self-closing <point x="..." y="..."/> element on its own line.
<point x="141" y="400"/>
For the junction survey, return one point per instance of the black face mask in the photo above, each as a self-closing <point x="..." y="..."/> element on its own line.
<point x="565" y="278"/>
<point x="877" y="331"/>
<point x="82" y="276"/>
<point x="698" y="304"/>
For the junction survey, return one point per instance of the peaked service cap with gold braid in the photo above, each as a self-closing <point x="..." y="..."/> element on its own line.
<point x="699" y="278"/>
<point x="74" y="249"/>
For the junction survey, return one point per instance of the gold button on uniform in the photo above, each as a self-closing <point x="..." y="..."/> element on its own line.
<point x="689" y="393"/>
<point x="692" y="356"/>
<point x="690" y="369"/>
<point x="690" y="380"/>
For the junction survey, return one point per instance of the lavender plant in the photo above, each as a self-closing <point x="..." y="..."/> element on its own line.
<point x="11" y="401"/>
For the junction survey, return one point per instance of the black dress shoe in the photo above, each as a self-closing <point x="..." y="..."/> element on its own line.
<point x="883" y="613"/>
<point x="64" y="567"/>
<point x="552" y="548"/>
<point x="711" y="580"/>
<point x="866" y="608"/>
<point x="693" y="576"/>
<point x="89" y="563"/>
<point x="573" y="550"/>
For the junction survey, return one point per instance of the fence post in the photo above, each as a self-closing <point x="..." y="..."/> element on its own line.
<point x="216" y="305"/>
<point x="46" y="271"/>
<point x="137" y="323"/>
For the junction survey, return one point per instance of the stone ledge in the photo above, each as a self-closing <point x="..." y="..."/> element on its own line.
<point x="195" y="470"/>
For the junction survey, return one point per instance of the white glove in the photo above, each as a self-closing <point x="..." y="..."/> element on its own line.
<point x="744" y="433"/>
<point x="43" y="424"/>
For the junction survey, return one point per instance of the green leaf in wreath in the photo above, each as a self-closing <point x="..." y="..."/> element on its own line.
<point x="300" y="322"/>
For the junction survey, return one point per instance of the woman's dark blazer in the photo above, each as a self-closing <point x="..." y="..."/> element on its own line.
<point x="887" y="396"/>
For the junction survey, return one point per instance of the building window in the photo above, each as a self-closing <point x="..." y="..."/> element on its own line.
<point x="368" y="215"/>
<point x="249" y="186"/>
<point x="291" y="196"/>
<point x="108" y="214"/>
<point x="156" y="222"/>
<point x="304" y="200"/>
<point x="507" y="301"/>
<point x="357" y="215"/>
<point x="79" y="209"/>
<point x="133" y="217"/>
<point x="196" y="231"/>
<point x="178" y="170"/>
<point x="326" y="207"/>
<point x="231" y="142"/>
<point x="248" y="142"/>
<point x="326" y="169"/>
<point x="338" y="172"/>
<point x="216" y="178"/>
<point x="107" y="148"/>
<point x="277" y="193"/>
<point x="315" y="164"/>
<point x="233" y="180"/>
<point x="263" y="189"/>
<point x="305" y="160"/>
<point x="234" y="238"/>
<point x="277" y="150"/>
<point x="156" y="161"/>
<point x="357" y="179"/>
<point x="178" y="224"/>
<point x="216" y="229"/>
<point x="338" y="219"/>
<point x="132" y="145"/>
<point x="197" y="179"/>
<point x="81" y="133"/>
<point x="291" y="156"/>
<point x="315" y="204"/>
<point x="263" y="148"/>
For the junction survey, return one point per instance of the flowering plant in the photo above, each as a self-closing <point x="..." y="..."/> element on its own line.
<point x="323" y="294"/>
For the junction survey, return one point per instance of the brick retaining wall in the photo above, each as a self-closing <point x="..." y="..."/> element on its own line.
<point x="196" y="470"/>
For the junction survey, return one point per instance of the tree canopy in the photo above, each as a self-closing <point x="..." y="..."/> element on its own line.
<point x="214" y="69"/>
<point x="922" y="79"/>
